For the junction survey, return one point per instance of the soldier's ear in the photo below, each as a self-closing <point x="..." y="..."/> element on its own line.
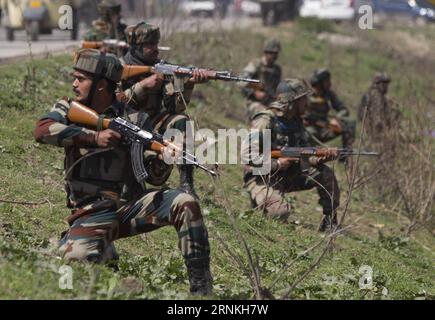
<point x="102" y="85"/>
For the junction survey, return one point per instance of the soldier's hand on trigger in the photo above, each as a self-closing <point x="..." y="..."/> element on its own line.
<point x="170" y="154"/>
<point x="260" y="95"/>
<point x="107" y="138"/>
<point x="154" y="81"/>
<point x="284" y="163"/>
<point x="199" y="76"/>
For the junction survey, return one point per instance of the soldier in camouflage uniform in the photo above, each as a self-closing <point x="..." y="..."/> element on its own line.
<point x="382" y="114"/>
<point x="317" y="119"/>
<point x="109" y="26"/>
<point x="161" y="100"/>
<point x="268" y="72"/>
<point x="284" y="119"/>
<point x="107" y="204"/>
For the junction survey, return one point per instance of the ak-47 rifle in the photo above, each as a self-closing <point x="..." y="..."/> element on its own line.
<point x="80" y="114"/>
<point x="179" y="72"/>
<point x="302" y="154"/>
<point x="111" y="44"/>
<point x="298" y="152"/>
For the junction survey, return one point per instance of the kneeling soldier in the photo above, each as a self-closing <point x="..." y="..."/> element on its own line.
<point x="106" y="202"/>
<point x="284" y="119"/>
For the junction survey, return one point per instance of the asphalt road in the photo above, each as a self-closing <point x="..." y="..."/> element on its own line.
<point x="59" y="41"/>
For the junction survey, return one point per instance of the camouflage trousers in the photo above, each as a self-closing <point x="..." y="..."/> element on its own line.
<point x="325" y="134"/>
<point x="95" y="227"/>
<point x="270" y="196"/>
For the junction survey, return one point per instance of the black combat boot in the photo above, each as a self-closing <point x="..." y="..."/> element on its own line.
<point x="329" y="222"/>
<point x="200" y="279"/>
<point x="186" y="179"/>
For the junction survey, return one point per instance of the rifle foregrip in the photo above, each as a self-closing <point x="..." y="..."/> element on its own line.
<point x="157" y="146"/>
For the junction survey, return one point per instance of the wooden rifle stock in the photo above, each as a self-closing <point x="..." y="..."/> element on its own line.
<point x="275" y="154"/>
<point x="92" y="44"/>
<point x="80" y="114"/>
<point x="131" y="71"/>
<point x="256" y="86"/>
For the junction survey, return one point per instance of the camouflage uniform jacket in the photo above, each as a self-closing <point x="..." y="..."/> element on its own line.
<point x="91" y="173"/>
<point x="269" y="76"/>
<point x="320" y="105"/>
<point x="154" y="101"/>
<point x="381" y="111"/>
<point x="102" y="30"/>
<point x="284" y="132"/>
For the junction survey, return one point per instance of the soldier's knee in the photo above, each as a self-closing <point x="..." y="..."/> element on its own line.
<point x="279" y="211"/>
<point x="186" y="209"/>
<point x="81" y="251"/>
<point x="278" y="214"/>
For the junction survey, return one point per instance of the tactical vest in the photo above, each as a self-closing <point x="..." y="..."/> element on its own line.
<point x="318" y="108"/>
<point x="290" y="133"/>
<point x="97" y="172"/>
<point x="269" y="76"/>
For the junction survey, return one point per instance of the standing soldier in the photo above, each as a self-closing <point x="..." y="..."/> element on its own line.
<point x="382" y="114"/>
<point x="284" y="119"/>
<point x="106" y="203"/>
<point x="109" y="26"/>
<point x="268" y="72"/>
<point x="317" y="120"/>
<point x="163" y="103"/>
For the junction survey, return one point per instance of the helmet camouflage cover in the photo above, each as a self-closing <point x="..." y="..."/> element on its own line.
<point x="290" y="90"/>
<point x="93" y="61"/>
<point x="381" y="77"/>
<point x="320" y="75"/>
<point x="108" y="7"/>
<point x="272" y="45"/>
<point x="142" y="33"/>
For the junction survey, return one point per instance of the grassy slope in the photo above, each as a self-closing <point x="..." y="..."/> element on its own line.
<point x="151" y="266"/>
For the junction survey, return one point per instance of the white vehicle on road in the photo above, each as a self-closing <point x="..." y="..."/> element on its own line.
<point x="250" y="8"/>
<point x="328" y="9"/>
<point x="202" y="8"/>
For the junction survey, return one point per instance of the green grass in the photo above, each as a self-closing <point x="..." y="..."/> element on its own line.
<point x="151" y="265"/>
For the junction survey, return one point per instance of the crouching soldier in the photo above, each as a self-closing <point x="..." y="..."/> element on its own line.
<point x="268" y="72"/>
<point x="284" y="119"/>
<point x="321" y="126"/>
<point x="106" y="201"/>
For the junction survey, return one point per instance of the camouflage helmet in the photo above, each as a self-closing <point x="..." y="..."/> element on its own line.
<point x="142" y="33"/>
<point x="381" y="77"/>
<point x="108" y="7"/>
<point x="290" y="90"/>
<point x="272" y="45"/>
<point x="320" y="75"/>
<point x="101" y="64"/>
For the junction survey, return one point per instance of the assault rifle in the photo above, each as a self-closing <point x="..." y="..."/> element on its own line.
<point x="80" y="114"/>
<point x="111" y="44"/>
<point x="179" y="72"/>
<point x="296" y="153"/>
<point x="302" y="154"/>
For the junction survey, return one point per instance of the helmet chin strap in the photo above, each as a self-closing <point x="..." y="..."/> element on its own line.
<point x="98" y="75"/>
